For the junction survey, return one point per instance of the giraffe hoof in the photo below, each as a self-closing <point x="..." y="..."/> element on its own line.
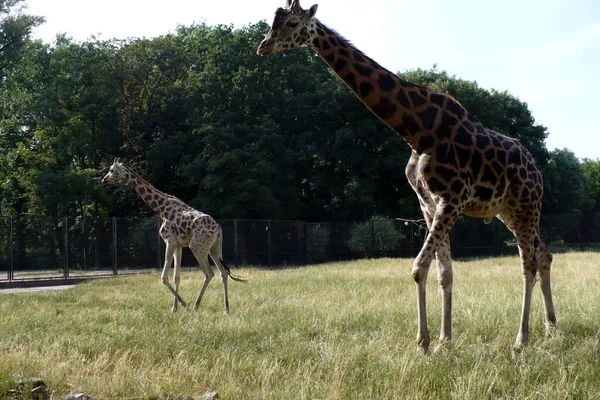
<point x="551" y="331"/>
<point x="423" y="347"/>
<point x="173" y="310"/>
<point x="518" y="347"/>
<point x="423" y="344"/>
<point x="521" y="341"/>
<point x="443" y="344"/>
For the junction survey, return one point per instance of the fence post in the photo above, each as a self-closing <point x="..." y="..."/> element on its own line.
<point x="114" y="231"/>
<point x="158" y="243"/>
<point x="269" y="240"/>
<point x="11" y="264"/>
<point x="66" y="263"/>
<point x="235" y="243"/>
<point x="84" y="249"/>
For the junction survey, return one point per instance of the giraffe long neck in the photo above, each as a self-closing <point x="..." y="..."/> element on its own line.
<point x="409" y="109"/>
<point x="155" y="199"/>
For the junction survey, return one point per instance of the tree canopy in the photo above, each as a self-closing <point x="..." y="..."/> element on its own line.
<point x="233" y="134"/>
<point x="15" y="28"/>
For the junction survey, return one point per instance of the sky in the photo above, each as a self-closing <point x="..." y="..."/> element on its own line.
<point x="545" y="52"/>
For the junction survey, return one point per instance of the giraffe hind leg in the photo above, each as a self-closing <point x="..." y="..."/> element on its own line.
<point x="529" y="270"/>
<point x="216" y="257"/>
<point x="544" y="264"/>
<point x="200" y="247"/>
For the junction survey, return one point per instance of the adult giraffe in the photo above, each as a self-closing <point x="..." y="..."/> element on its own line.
<point x="457" y="165"/>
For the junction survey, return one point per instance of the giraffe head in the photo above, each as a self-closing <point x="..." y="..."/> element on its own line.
<point x="115" y="172"/>
<point x="292" y="27"/>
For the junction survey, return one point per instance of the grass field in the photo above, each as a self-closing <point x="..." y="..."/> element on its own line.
<point x="336" y="331"/>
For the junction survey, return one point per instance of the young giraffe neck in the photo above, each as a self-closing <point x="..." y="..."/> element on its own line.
<point x="155" y="199"/>
<point x="409" y="109"/>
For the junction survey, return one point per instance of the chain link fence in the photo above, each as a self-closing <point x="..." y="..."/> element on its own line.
<point x="34" y="248"/>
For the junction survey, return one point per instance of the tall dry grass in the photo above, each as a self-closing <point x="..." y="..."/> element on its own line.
<point x="336" y="331"/>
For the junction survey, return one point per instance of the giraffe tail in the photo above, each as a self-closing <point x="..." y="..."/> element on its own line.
<point x="219" y="255"/>
<point x="235" y="278"/>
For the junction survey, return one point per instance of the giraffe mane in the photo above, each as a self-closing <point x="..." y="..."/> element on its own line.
<point x="375" y="64"/>
<point x="144" y="181"/>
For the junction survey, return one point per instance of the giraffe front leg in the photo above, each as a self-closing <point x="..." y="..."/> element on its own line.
<point x="436" y="241"/>
<point x="445" y="279"/>
<point x="169" y="254"/>
<point x="419" y="275"/>
<point x="176" y="276"/>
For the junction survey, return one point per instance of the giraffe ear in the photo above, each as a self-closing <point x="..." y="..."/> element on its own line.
<point x="288" y="3"/>
<point x="312" y="11"/>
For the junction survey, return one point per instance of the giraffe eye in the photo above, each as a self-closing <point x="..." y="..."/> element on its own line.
<point x="292" y="24"/>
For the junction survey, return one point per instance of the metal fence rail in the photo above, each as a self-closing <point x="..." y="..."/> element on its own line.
<point x="35" y="248"/>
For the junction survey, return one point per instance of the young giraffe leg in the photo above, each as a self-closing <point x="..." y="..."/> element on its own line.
<point x="440" y="227"/>
<point x="216" y="257"/>
<point x="200" y="247"/>
<point x="169" y="253"/>
<point x="176" y="277"/>
<point x="544" y="260"/>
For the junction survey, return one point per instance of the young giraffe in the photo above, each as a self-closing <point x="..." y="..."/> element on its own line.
<point x="457" y="165"/>
<point x="182" y="226"/>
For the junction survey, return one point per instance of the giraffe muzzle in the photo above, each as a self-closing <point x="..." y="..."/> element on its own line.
<point x="265" y="48"/>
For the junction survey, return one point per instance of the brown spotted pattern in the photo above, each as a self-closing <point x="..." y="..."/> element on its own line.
<point x="457" y="165"/>
<point x="182" y="226"/>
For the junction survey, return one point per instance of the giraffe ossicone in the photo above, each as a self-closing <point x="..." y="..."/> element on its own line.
<point x="457" y="165"/>
<point x="182" y="226"/>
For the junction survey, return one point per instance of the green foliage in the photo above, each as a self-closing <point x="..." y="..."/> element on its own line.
<point x="317" y="243"/>
<point x="591" y="170"/>
<point x="15" y="28"/>
<point x="565" y="184"/>
<point x="378" y="234"/>
<point x="205" y="119"/>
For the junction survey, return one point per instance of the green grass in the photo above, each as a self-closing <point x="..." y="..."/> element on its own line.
<point x="336" y="331"/>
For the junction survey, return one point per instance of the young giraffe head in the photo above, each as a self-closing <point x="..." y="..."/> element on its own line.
<point x="292" y="27"/>
<point x="116" y="171"/>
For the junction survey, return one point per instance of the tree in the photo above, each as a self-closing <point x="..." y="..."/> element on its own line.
<point x="591" y="170"/>
<point x="74" y="125"/>
<point x="565" y="184"/>
<point x="378" y="234"/>
<point x="15" y="28"/>
<point x="205" y="119"/>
